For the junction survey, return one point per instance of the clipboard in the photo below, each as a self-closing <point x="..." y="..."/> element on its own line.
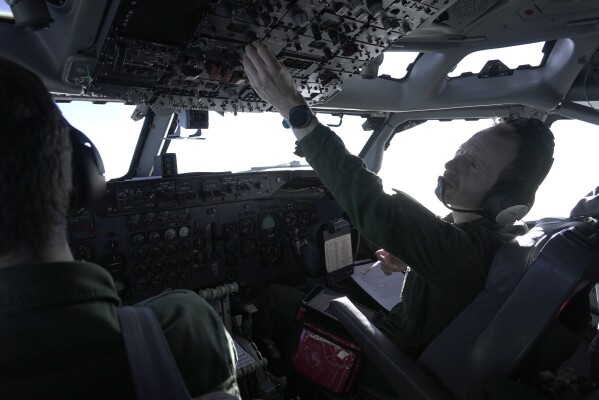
<point x="338" y="250"/>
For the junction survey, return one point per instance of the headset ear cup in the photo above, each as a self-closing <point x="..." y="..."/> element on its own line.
<point x="89" y="183"/>
<point x="508" y="202"/>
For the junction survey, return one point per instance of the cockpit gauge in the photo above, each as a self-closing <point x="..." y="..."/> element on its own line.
<point x="139" y="254"/>
<point x="114" y="263"/>
<point x="246" y="226"/>
<point x="154" y="237"/>
<point x="271" y="254"/>
<point x="133" y="219"/>
<point x="269" y="225"/>
<point x="170" y="234"/>
<point x="248" y="247"/>
<point x="82" y="252"/>
<point x="138" y="239"/>
<point x="183" y="231"/>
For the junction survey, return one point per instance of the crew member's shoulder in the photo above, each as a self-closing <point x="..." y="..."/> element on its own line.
<point x="177" y="301"/>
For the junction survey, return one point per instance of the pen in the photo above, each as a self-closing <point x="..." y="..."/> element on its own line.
<point x="376" y="264"/>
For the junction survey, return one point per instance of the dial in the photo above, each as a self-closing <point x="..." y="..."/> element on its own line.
<point x="269" y="225"/>
<point x="184" y="232"/>
<point x="139" y="254"/>
<point x="114" y="263"/>
<point x="138" y="239"/>
<point x="133" y="219"/>
<point x="248" y="248"/>
<point x="140" y="269"/>
<point x="82" y="252"/>
<point x="170" y="234"/>
<point x="141" y="284"/>
<point x="154" y="237"/>
<point x="246" y="226"/>
<point x="271" y="254"/>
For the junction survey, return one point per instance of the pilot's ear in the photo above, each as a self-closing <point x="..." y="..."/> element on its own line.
<point x="89" y="183"/>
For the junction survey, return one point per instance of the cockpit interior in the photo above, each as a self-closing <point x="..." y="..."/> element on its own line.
<point x="227" y="234"/>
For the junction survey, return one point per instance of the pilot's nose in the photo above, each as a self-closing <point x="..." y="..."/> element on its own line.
<point x="454" y="163"/>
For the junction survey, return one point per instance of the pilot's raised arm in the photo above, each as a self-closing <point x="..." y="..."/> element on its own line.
<point x="489" y="183"/>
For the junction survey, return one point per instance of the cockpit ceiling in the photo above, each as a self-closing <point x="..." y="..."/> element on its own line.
<point x="187" y="54"/>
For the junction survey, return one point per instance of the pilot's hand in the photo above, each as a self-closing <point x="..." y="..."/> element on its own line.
<point x="270" y="79"/>
<point x="390" y="263"/>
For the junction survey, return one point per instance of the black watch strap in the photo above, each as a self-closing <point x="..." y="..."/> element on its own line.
<point x="299" y="117"/>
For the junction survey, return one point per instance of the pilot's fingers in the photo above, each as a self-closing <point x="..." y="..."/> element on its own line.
<point x="386" y="270"/>
<point x="249" y="68"/>
<point x="383" y="255"/>
<point x="389" y="262"/>
<point x="252" y="62"/>
<point x="267" y="56"/>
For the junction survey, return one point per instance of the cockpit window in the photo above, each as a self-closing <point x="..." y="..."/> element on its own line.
<point x="416" y="158"/>
<point x="236" y="143"/>
<point x="5" y="11"/>
<point x="111" y="129"/>
<point x="395" y="63"/>
<point x="528" y="54"/>
<point x="253" y="141"/>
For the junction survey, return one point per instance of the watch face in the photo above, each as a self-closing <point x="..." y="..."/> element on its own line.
<point x="300" y="116"/>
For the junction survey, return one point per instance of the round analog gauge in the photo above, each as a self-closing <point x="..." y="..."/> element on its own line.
<point x="170" y="234"/>
<point x="269" y="224"/>
<point x="246" y="226"/>
<point x="248" y="248"/>
<point x="138" y="239"/>
<point x="184" y="232"/>
<point x="154" y="237"/>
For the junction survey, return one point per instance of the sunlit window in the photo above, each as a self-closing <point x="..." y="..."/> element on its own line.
<point x="110" y="128"/>
<point x="395" y="63"/>
<point x="5" y="11"/>
<point x="513" y="57"/>
<point x="253" y="140"/>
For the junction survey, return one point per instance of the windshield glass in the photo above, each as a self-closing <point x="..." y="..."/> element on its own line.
<point x="231" y="143"/>
<point x="253" y="140"/>
<point x="111" y="129"/>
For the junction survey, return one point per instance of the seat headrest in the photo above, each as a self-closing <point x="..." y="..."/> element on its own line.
<point x="588" y="205"/>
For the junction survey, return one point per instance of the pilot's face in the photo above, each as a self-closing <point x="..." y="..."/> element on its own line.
<point x="476" y="166"/>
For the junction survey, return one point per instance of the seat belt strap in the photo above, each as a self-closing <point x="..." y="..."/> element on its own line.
<point x="154" y="372"/>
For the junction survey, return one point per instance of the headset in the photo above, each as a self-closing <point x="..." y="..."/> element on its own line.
<point x="88" y="171"/>
<point x="510" y="201"/>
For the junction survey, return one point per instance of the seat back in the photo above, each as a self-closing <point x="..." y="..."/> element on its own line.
<point x="531" y="280"/>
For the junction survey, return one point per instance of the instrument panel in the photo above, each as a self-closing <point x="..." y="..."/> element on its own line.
<point x="191" y="57"/>
<point x="200" y="231"/>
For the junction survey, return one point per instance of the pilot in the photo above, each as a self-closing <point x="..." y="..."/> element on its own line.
<point x="59" y="333"/>
<point x="447" y="259"/>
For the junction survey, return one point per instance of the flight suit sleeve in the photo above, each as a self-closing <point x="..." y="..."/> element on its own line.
<point x="202" y="347"/>
<point x="398" y="223"/>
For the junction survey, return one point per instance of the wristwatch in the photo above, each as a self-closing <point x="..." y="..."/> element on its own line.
<point x="299" y="117"/>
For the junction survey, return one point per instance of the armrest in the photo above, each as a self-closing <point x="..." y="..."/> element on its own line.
<point x="401" y="372"/>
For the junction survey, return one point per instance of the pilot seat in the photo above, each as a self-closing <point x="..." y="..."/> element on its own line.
<point x="531" y="315"/>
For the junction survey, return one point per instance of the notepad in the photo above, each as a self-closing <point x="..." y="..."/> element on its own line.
<point x="385" y="289"/>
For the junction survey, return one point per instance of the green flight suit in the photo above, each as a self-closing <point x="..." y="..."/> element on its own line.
<point x="448" y="261"/>
<point x="60" y="336"/>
